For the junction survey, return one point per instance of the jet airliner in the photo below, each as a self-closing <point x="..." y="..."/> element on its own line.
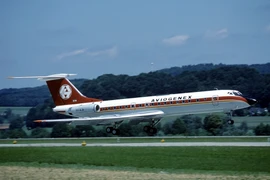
<point x="83" y="110"/>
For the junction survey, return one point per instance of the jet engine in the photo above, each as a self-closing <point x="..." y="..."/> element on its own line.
<point x="86" y="108"/>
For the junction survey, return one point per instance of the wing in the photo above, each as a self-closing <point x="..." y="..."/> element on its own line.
<point x="108" y="119"/>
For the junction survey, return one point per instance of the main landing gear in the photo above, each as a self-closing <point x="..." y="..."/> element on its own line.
<point x="230" y="121"/>
<point x="114" y="130"/>
<point x="150" y="129"/>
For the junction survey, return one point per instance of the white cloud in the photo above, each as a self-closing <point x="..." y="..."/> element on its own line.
<point x="111" y="52"/>
<point x="218" y="34"/>
<point x="71" y="53"/>
<point x="176" y="40"/>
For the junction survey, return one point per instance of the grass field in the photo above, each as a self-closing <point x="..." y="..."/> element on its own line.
<point x="248" y="159"/>
<point x="229" y="161"/>
<point x="136" y="162"/>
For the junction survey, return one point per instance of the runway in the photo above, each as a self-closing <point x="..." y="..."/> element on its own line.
<point x="165" y="144"/>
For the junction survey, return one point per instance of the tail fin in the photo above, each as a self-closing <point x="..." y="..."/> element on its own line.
<point x="62" y="90"/>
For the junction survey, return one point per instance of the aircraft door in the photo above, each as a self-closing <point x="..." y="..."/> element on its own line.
<point x="215" y="100"/>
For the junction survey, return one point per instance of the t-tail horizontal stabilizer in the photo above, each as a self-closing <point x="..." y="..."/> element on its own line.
<point x="44" y="78"/>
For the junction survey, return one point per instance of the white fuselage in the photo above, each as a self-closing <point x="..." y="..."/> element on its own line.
<point x="171" y="104"/>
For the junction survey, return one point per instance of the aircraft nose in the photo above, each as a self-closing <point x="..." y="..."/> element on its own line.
<point x="251" y="101"/>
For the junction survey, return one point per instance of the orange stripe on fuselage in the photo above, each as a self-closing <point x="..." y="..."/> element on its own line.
<point x="174" y="103"/>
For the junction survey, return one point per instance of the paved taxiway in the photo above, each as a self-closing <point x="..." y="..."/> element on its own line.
<point x="165" y="144"/>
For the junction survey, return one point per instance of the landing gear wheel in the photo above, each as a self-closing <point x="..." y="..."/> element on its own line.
<point x="115" y="131"/>
<point x="109" y="129"/>
<point x="152" y="130"/>
<point x="146" y="128"/>
<point x="230" y="122"/>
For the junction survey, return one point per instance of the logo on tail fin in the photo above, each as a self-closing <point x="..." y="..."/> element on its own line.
<point x="65" y="91"/>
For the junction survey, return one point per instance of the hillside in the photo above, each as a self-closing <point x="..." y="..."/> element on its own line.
<point x="261" y="68"/>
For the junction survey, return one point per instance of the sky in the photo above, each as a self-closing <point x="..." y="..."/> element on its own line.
<point x="95" y="37"/>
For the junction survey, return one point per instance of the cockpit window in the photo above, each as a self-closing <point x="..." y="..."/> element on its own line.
<point x="237" y="93"/>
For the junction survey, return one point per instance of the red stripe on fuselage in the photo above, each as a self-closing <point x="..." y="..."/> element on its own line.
<point x="173" y="103"/>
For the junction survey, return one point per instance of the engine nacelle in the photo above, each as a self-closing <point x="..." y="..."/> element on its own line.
<point x="87" y="108"/>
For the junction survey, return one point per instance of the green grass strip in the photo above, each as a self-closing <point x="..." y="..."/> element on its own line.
<point x="246" y="159"/>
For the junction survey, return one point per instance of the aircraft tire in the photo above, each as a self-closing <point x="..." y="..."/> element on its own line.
<point x="230" y="122"/>
<point x="115" y="131"/>
<point x="109" y="129"/>
<point x="146" y="128"/>
<point x="152" y="131"/>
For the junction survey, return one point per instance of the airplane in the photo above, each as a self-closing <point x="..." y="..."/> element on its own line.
<point x="83" y="110"/>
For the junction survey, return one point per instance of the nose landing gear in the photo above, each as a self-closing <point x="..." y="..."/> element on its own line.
<point x="230" y="121"/>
